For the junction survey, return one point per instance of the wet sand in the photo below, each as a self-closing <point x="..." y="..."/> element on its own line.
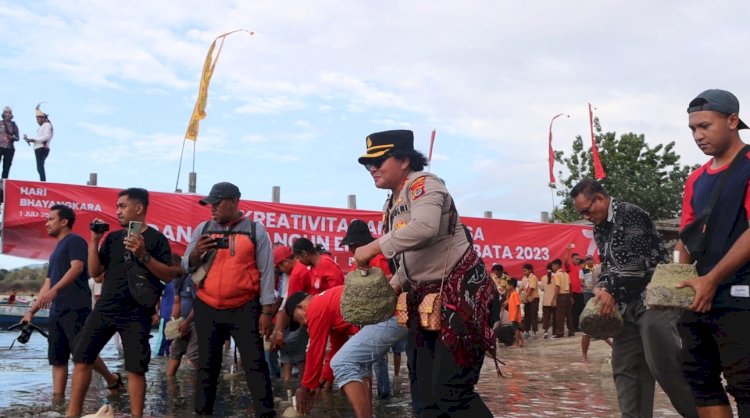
<point x="547" y="378"/>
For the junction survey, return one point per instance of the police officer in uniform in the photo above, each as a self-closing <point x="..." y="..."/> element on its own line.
<point x="430" y="249"/>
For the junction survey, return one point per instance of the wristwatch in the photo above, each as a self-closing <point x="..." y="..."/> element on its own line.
<point x="146" y="258"/>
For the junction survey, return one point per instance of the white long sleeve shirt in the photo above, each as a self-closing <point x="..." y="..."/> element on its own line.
<point x="43" y="136"/>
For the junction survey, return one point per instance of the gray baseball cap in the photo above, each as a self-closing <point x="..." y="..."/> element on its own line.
<point x="717" y="100"/>
<point x="219" y="192"/>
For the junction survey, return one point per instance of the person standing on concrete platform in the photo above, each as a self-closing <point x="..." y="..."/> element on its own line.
<point x="41" y="141"/>
<point x="8" y="136"/>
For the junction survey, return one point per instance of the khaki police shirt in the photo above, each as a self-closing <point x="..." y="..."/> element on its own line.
<point x="418" y="235"/>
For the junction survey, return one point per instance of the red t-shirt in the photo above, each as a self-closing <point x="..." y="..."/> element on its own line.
<point x="574" y="271"/>
<point x="688" y="213"/>
<point x="299" y="279"/>
<point x="380" y="262"/>
<point x="324" y="321"/>
<point x="325" y="275"/>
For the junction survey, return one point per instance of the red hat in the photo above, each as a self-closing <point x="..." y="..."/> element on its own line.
<point x="281" y="253"/>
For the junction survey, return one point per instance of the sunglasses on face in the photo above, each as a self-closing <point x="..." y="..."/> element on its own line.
<point x="587" y="211"/>
<point x="375" y="163"/>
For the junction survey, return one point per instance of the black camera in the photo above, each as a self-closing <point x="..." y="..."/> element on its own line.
<point x="26" y="331"/>
<point x="99" y="227"/>
<point x="222" y="242"/>
<point x="27" y="328"/>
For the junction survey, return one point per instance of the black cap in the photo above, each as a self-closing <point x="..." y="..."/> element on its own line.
<point x="380" y="144"/>
<point x="717" y="100"/>
<point x="290" y="306"/>
<point x="219" y="192"/>
<point x="357" y="234"/>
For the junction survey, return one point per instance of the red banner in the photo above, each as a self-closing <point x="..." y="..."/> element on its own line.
<point x="510" y="243"/>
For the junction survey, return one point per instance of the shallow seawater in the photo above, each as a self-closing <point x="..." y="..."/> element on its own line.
<point x="547" y="378"/>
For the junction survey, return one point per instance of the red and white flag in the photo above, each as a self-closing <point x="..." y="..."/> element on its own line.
<point x="598" y="168"/>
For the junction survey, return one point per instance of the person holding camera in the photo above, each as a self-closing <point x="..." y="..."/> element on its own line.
<point x="67" y="295"/>
<point x="135" y="261"/>
<point x="8" y="135"/>
<point x="231" y="262"/>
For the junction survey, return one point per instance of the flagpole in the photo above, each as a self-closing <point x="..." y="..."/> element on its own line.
<point x="194" y="156"/>
<point x="429" y="155"/>
<point x="552" y="155"/>
<point x="199" y="111"/>
<point x="179" y="168"/>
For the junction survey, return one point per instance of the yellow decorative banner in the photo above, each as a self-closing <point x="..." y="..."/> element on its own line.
<point x="199" y="111"/>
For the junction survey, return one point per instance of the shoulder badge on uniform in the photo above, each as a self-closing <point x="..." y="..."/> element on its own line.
<point x="400" y="224"/>
<point x="417" y="188"/>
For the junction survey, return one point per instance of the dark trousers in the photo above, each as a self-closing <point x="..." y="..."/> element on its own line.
<point x="41" y="155"/>
<point x="648" y="350"/>
<point x="548" y="317"/>
<point x="564" y="315"/>
<point x="445" y="388"/>
<point x="717" y="343"/>
<point x="531" y="315"/>
<point x="213" y="327"/>
<point x="7" y="156"/>
<point x="577" y="309"/>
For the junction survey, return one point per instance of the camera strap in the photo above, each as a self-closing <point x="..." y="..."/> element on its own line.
<point x="233" y="231"/>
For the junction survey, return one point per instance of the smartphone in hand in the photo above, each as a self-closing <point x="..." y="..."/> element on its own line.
<point x="134" y="228"/>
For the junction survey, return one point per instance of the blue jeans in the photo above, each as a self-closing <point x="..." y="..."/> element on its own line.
<point x="272" y="358"/>
<point x="354" y="360"/>
<point x="382" y="375"/>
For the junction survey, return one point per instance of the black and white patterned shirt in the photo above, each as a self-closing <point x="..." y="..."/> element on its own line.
<point x="630" y="248"/>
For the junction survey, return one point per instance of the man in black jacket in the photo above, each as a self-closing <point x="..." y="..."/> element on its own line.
<point x="648" y="347"/>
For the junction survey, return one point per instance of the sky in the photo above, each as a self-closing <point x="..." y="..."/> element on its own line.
<point x="291" y="105"/>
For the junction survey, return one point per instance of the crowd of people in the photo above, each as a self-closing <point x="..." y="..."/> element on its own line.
<point x="233" y="282"/>
<point x="561" y="293"/>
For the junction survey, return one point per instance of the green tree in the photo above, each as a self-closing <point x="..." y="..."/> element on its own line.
<point x="25" y="279"/>
<point x="650" y="177"/>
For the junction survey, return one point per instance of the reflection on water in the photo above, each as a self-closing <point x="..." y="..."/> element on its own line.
<point x="546" y="378"/>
